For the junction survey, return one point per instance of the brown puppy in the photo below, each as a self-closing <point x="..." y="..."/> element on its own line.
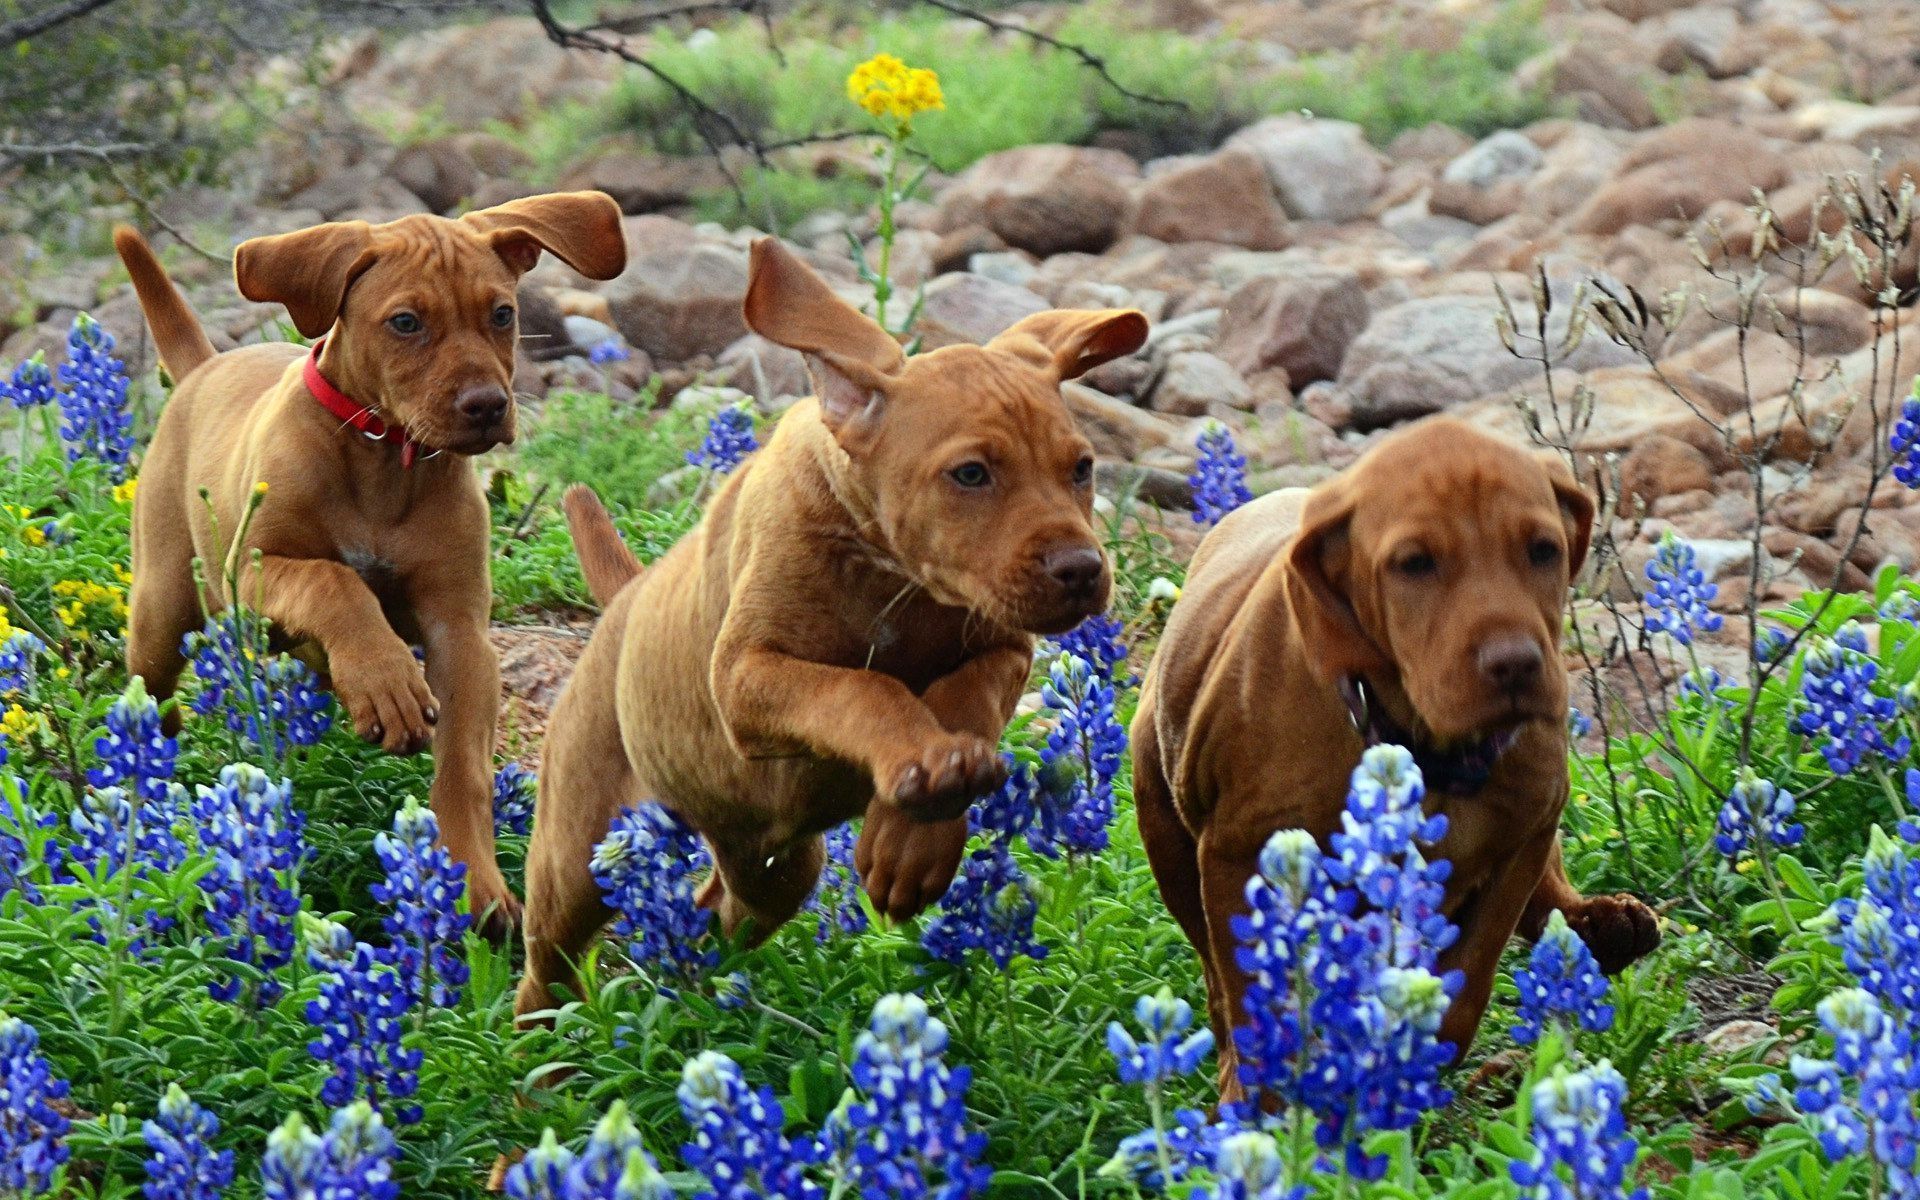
<point x="370" y="538"/>
<point x="1418" y="599"/>
<point x="847" y="630"/>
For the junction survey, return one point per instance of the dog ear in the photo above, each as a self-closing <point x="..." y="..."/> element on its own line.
<point x="1576" y="512"/>
<point x="308" y="271"/>
<point x="1075" y="341"/>
<point x="581" y="229"/>
<point x="1317" y="570"/>
<point x="849" y="357"/>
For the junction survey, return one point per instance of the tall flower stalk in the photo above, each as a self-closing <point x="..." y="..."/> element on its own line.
<point x="893" y="94"/>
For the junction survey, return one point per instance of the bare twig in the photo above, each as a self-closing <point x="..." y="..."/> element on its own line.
<point x="23" y="152"/>
<point x="1088" y="58"/>
<point x="641" y="21"/>
<point x="19" y="30"/>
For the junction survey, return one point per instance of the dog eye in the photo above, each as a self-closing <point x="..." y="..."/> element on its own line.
<point x="1544" y="552"/>
<point x="503" y="317"/>
<point x="404" y="324"/>
<point x="971" y="475"/>
<point x="1083" y="471"/>
<point x="1417" y="566"/>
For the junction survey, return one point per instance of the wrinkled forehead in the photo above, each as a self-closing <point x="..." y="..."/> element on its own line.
<point x="985" y="390"/>
<point x="445" y="254"/>
<point x="1451" y="493"/>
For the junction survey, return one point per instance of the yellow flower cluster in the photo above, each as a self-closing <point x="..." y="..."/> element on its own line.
<point x="887" y="87"/>
<point x="123" y="492"/>
<point x="30" y="533"/>
<point x="83" y="596"/>
<point x="18" y="724"/>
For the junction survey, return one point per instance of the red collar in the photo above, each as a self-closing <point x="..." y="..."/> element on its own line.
<point x="360" y="416"/>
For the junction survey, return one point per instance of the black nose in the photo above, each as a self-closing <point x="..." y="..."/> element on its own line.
<point x="1076" y="569"/>
<point x="1511" y="663"/>
<point x="483" y="406"/>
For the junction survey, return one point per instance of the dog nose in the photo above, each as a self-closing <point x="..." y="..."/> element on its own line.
<point x="1076" y="569"/>
<point x="1512" y="663"/>
<point x="484" y="405"/>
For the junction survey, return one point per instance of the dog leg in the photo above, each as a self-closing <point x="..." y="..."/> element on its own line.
<point x="1228" y="856"/>
<point x="1487" y="923"/>
<point x="1620" y="930"/>
<point x="373" y="672"/>
<point x="764" y="887"/>
<point x="1175" y="859"/>
<point x="774" y="704"/>
<point x="906" y="864"/>
<point x="464" y="673"/>
<point x="564" y="905"/>
<point x="162" y="606"/>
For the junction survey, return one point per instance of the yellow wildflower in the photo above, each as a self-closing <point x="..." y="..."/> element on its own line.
<point x="260" y="488"/>
<point x="886" y="87"/>
<point x="84" y="596"/>
<point x="34" y="535"/>
<point x="19" y="724"/>
<point x="123" y="492"/>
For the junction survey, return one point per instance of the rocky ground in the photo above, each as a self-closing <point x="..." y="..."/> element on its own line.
<point x="1308" y="288"/>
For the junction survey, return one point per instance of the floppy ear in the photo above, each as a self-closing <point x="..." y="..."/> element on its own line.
<point x="1317" y="574"/>
<point x="1075" y="341"/>
<point x="1576" y="512"/>
<point x="307" y="270"/>
<point x="581" y="229"/>
<point x="849" y="357"/>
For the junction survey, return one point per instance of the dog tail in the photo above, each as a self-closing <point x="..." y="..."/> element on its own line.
<point x="604" y="557"/>
<point x="177" y="334"/>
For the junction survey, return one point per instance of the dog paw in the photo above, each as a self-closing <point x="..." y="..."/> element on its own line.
<point x="388" y="701"/>
<point x="944" y="777"/>
<point x="496" y="912"/>
<point x="905" y="865"/>
<point x="1619" y="930"/>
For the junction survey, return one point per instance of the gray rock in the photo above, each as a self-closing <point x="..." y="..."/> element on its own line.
<point x="1044" y="199"/>
<point x="1301" y="321"/>
<point x="1194" y="381"/>
<point x="1322" y="170"/>
<point x="1498" y="158"/>
<point x="964" y="307"/>
<point x="1223" y="197"/>
<point x="680" y="302"/>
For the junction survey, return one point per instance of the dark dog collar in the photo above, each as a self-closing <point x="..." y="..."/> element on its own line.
<point x="1449" y="772"/>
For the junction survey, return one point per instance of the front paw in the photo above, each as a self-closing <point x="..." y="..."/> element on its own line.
<point x="388" y="700"/>
<point x="941" y="778"/>
<point x="904" y="864"/>
<point x="496" y="910"/>
<point x="1619" y="930"/>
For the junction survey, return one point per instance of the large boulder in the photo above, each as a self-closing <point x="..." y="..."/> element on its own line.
<point x="1223" y="197"/>
<point x="440" y="172"/>
<point x="645" y="183"/>
<point x="1680" y="171"/>
<point x="1322" y="170"/>
<point x="679" y="301"/>
<point x="1194" y="381"/>
<point x="1043" y="199"/>
<point x="1301" y="320"/>
<point x="1428" y="354"/>
<point x="966" y="308"/>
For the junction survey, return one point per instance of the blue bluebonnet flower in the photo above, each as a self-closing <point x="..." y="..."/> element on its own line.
<point x="1081" y="757"/>
<point x="1100" y="641"/>
<point x="836" y="897"/>
<point x="1154" y="1159"/>
<point x="1359" y="1048"/>
<point x="423" y="886"/>
<point x="32" y="1132"/>
<point x="613" y="1166"/>
<point x="1009" y="811"/>
<point x="252" y="832"/>
<point x="273" y="699"/>
<point x="353" y="1160"/>
<point x="1876" y="931"/>
<point x="608" y="351"/>
<point x="183" y="1164"/>
<point x="28" y="851"/>
<point x="1579" y="724"/>
<point x="1169" y="1050"/>
<point x="1248" y="1166"/>
<point x="1560" y="985"/>
<point x="515" y="792"/>
<point x="906" y="1134"/>
<point x="360" y="1016"/>
<point x="646" y="865"/>
<point x="1677" y="602"/>
<point x="733" y="991"/>
<point x="990" y="908"/>
<point x="1839" y="703"/>
<point x="737" y="1143"/>
<point x="134" y="751"/>
<point x="1756" y="806"/>
<point x="1905" y="440"/>
<point x="1219" y="479"/>
<point x="1582" y="1150"/>
<point x="114" y="831"/>
<point x="18" y="657"/>
<point x="1771" y="643"/>
<point x="1901" y="606"/>
<point x="95" y="420"/>
<point x="1708" y="684"/>
<point x="729" y="440"/>
<point x="31" y="385"/>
